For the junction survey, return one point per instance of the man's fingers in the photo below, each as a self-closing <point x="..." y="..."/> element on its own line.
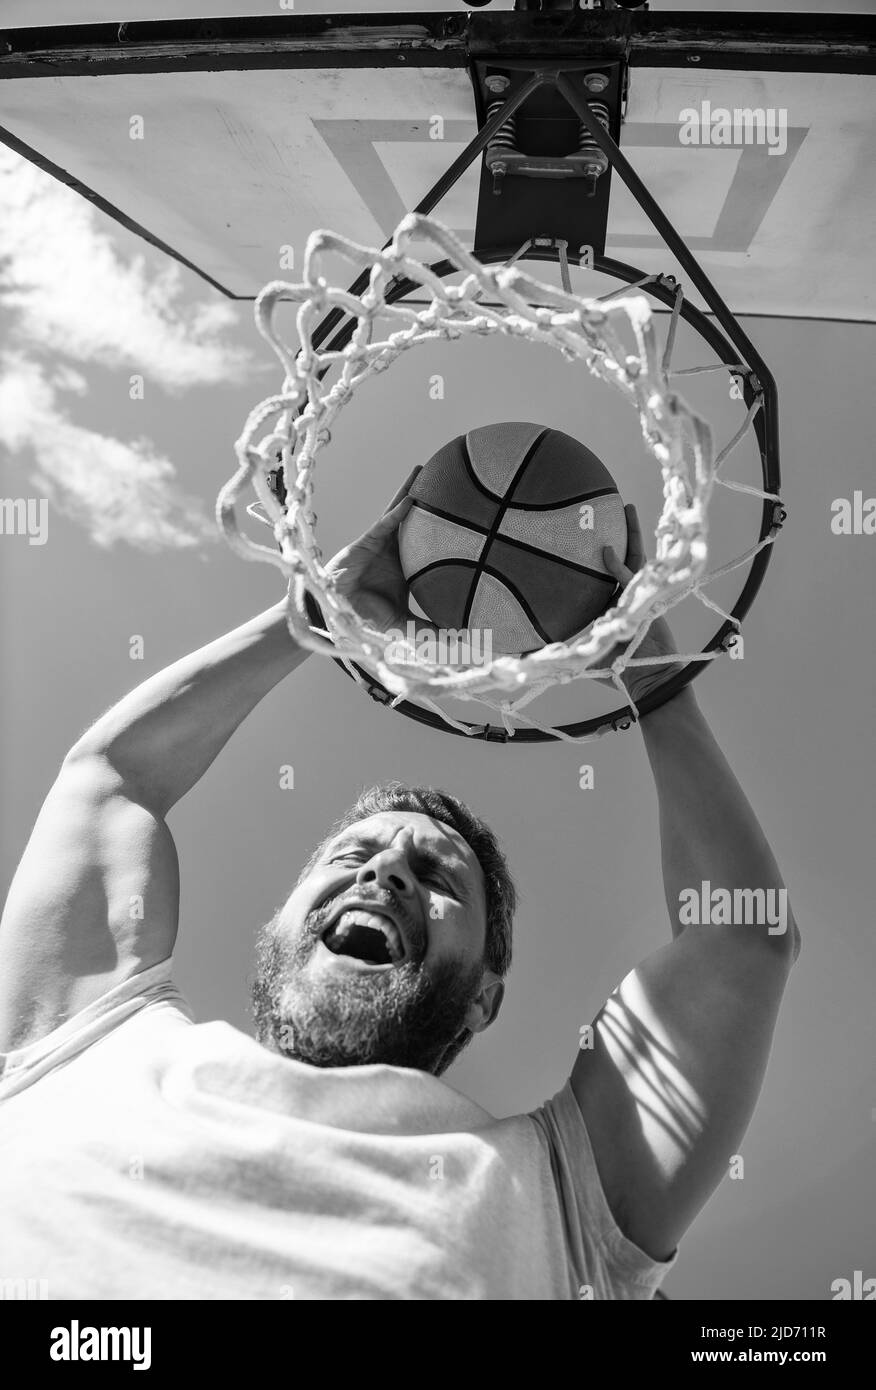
<point x="384" y="527"/>
<point x="404" y="489"/>
<point x="391" y="519"/>
<point x="635" y="543"/>
<point x="616" y="566"/>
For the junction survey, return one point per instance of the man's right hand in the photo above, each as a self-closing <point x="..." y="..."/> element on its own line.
<point x="369" y="574"/>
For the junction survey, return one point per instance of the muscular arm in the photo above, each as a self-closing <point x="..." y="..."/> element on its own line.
<point x="682" y="1045"/>
<point x="161" y="739"/>
<point x="95" y="897"/>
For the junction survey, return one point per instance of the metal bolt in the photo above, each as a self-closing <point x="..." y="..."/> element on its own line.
<point x="497" y="83"/>
<point x="596" y="81"/>
<point x="693" y="57"/>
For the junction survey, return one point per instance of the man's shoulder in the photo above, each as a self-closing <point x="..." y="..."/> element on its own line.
<point x="41" y="1051"/>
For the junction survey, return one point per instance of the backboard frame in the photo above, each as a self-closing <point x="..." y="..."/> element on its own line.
<point x="748" y="41"/>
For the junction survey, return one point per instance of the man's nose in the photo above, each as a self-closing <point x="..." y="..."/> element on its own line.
<point x="389" y="870"/>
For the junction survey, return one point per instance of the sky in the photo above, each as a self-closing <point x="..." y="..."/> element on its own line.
<point x="132" y="551"/>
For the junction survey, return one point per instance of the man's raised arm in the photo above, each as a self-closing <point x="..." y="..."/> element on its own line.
<point x="161" y="739"/>
<point x="70" y="930"/>
<point x="682" y="1045"/>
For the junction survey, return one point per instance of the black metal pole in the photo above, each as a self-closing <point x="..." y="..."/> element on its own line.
<point x="689" y="264"/>
<point x="662" y="224"/>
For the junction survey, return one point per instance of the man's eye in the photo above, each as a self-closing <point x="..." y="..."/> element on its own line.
<point x="426" y="876"/>
<point x="437" y="882"/>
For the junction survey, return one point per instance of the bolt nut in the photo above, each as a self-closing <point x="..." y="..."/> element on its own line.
<point x="497" y="83"/>
<point x="596" y="81"/>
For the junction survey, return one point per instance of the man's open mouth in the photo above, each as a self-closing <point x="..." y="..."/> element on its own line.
<point x="366" y="935"/>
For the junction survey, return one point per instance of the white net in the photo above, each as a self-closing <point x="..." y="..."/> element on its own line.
<point x="613" y="338"/>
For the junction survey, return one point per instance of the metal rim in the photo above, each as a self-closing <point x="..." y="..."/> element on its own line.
<point x="765" y="426"/>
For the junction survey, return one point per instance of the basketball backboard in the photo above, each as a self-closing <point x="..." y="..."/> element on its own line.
<point x="225" y="141"/>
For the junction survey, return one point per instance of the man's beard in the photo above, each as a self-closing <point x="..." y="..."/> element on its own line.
<point x="404" y="1017"/>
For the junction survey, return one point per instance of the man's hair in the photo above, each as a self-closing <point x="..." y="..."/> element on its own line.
<point x="501" y="894"/>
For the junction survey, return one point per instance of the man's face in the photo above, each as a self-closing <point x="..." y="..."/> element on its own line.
<point x="377" y="956"/>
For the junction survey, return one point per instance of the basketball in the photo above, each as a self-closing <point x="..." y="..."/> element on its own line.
<point x="506" y="533"/>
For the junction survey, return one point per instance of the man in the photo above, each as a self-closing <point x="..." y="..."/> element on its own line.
<point x="143" y="1155"/>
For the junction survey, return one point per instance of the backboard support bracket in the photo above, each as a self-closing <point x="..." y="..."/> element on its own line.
<point x="564" y="77"/>
<point x="542" y="173"/>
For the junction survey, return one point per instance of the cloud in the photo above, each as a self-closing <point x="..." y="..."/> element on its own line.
<point x="73" y="300"/>
<point x="118" y="490"/>
<point x="74" y="294"/>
